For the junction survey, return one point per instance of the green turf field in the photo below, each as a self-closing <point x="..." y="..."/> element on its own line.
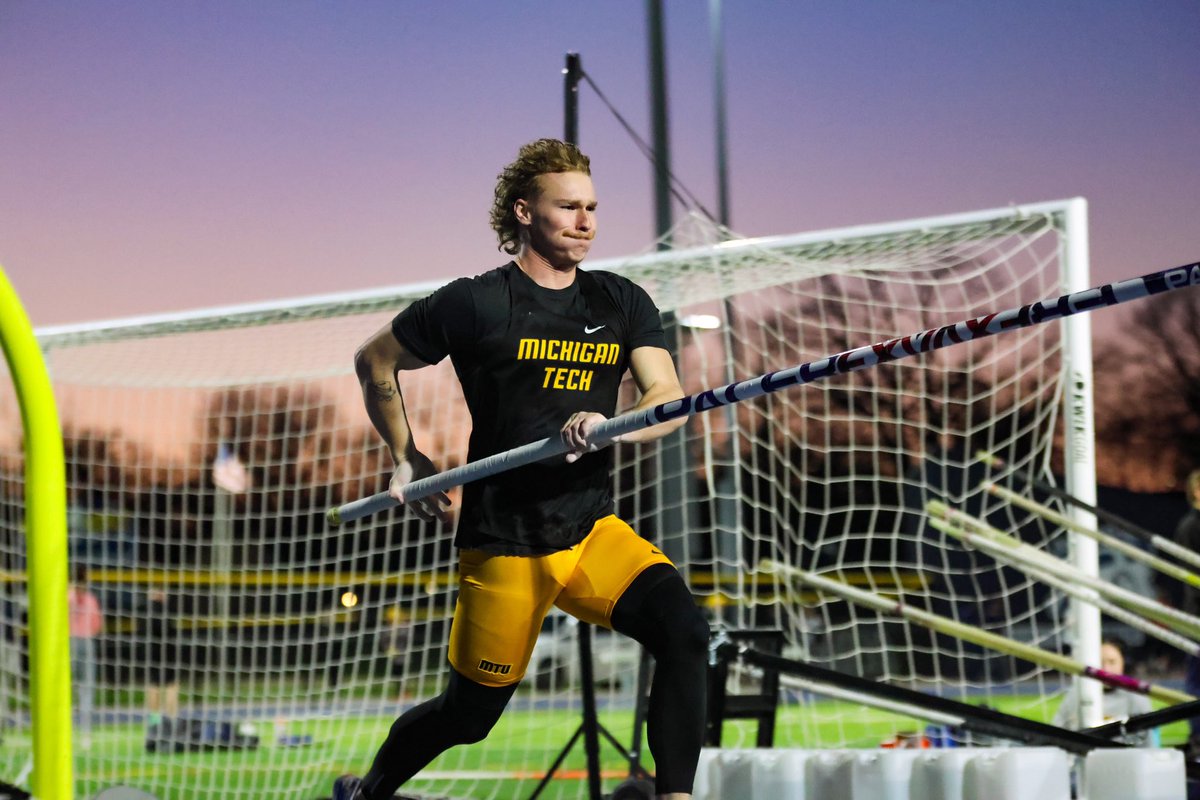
<point x="116" y="755"/>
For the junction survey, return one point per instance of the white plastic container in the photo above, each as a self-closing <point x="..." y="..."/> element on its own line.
<point x="780" y="774"/>
<point x="702" y="787"/>
<point x="1144" y="773"/>
<point x="1018" y="773"/>
<point x="823" y="775"/>
<point x="750" y="774"/>
<point x="862" y="775"/>
<point x="937" y="774"/>
<point x="733" y="777"/>
<point x="883" y="774"/>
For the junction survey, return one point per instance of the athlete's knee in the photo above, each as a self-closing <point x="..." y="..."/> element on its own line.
<point x="475" y="724"/>
<point x="457" y="722"/>
<point x="470" y="710"/>
<point x="694" y="633"/>
<point x="684" y="639"/>
<point x="672" y="625"/>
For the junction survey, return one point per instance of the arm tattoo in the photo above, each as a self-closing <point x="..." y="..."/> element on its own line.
<point x="384" y="391"/>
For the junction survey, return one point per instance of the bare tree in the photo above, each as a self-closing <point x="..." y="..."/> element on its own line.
<point x="1149" y="394"/>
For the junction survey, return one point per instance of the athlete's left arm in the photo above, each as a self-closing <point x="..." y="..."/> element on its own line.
<point x="654" y="373"/>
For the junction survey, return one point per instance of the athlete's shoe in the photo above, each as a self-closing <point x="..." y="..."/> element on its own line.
<point x="348" y="787"/>
<point x="633" y="789"/>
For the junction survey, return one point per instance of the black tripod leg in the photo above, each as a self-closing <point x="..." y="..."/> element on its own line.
<point x="562" y="755"/>
<point x="591" y="730"/>
<point x="591" y="738"/>
<point x="590" y="727"/>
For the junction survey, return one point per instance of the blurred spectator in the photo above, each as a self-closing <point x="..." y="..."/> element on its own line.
<point x="86" y="622"/>
<point x="1118" y="704"/>
<point x="159" y="632"/>
<point x="1187" y="534"/>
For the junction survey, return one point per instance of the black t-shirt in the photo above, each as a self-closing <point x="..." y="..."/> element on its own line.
<point x="527" y="358"/>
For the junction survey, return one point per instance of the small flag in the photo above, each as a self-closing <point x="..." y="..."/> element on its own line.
<point x="228" y="472"/>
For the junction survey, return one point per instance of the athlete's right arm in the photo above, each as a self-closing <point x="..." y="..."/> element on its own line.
<point x="377" y="363"/>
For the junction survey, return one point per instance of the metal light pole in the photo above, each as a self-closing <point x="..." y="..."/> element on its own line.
<point x="572" y="72"/>
<point x="658" y="117"/>
<point x="718" y="48"/>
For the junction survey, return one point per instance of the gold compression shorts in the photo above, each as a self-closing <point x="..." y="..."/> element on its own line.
<point x="502" y="600"/>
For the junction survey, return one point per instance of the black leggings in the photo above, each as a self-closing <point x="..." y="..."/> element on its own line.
<point x="658" y="611"/>
<point x="463" y="714"/>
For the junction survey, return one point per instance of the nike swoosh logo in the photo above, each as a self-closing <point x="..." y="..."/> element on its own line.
<point x="590" y="329"/>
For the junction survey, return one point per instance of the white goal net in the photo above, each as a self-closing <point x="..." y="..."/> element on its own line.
<point x="203" y="450"/>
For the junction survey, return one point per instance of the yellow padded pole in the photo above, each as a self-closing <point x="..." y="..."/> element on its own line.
<point x="46" y="550"/>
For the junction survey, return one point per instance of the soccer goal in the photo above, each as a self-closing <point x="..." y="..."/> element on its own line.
<point x="250" y="650"/>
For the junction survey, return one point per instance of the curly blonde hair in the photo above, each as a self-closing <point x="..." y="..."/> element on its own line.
<point x="519" y="181"/>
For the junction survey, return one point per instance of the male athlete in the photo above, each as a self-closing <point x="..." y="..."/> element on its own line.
<point x="539" y="346"/>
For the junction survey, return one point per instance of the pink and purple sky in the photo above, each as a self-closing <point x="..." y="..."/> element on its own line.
<point x="166" y="156"/>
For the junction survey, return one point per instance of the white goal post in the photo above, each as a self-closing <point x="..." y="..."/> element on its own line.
<point x="203" y="449"/>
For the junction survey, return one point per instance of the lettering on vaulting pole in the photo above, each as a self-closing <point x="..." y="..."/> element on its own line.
<point x="929" y="340"/>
